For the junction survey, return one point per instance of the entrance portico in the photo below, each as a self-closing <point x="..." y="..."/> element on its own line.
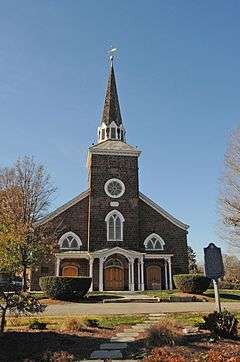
<point x="117" y="269"/>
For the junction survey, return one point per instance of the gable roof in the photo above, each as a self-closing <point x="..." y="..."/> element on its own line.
<point x="62" y="208"/>
<point x="84" y="194"/>
<point x="163" y="212"/>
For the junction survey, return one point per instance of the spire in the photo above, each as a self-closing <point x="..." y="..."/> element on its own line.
<point x="111" y="124"/>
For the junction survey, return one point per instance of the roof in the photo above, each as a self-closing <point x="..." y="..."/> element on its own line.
<point x="111" y="108"/>
<point x="84" y="194"/>
<point x="114" y="147"/>
<point x="163" y="212"/>
<point x="62" y="208"/>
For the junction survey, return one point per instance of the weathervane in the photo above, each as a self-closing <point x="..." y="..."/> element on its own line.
<point x="112" y="53"/>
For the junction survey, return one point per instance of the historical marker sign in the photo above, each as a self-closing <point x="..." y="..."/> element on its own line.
<point x="213" y="262"/>
<point x="214" y="269"/>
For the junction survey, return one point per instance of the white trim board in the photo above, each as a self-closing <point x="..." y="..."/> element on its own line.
<point x="163" y="212"/>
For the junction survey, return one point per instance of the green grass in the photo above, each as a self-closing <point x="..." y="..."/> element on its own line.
<point x="56" y="323"/>
<point x="226" y="295"/>
<point x="160" y="293"/>
<point x="191" y="319"/>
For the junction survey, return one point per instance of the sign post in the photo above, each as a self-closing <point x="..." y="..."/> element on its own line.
<point x="214" y="269"/>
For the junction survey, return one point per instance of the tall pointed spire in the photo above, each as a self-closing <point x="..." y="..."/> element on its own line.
<point x="111" y="124"/>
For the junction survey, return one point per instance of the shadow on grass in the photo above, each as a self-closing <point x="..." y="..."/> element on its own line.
<point x="32" y="346"/>
<point x="227" y="296"/>
<point x="21" y="346"/>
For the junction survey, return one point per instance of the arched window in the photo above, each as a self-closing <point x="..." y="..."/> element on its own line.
<point x="70" y="241"/>
<point x="114" y="221"/>
<point x="113" y="263"/>
<point x="154" y="242"/>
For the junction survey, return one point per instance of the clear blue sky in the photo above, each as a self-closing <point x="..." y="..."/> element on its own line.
<point x="179" y="87"/>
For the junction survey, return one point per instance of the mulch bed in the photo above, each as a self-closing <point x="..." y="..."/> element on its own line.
<point x="32" y="345"/>
<point x="197" y="349"/>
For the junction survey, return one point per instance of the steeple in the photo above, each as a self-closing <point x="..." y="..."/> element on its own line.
<point x="111" y="127"/>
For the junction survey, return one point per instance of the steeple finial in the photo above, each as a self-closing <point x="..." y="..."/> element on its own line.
<point x="112" y="53"/>
<point x="111" y="125"/>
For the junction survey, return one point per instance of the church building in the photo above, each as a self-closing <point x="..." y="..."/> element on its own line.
<point x="112" y="232"/>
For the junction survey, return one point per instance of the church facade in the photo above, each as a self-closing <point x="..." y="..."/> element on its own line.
<point x="112" y="232"/>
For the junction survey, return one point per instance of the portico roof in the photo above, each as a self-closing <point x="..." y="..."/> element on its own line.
<point x="117" y="250"/>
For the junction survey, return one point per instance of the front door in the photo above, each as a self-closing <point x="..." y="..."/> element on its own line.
<point x="114" y="278"/>
<point x="154" y="277"/>
<point x="70" y="271"/>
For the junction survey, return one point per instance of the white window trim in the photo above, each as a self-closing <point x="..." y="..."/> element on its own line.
<point x="107" y="218"/>
<point x="108" y="193"/>
<point x="66" y="235"/>
<point x="148" y="239"/>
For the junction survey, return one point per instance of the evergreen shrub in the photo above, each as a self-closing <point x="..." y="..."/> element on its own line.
<point x="191" y="283"/>
<point x="65" y="288"/>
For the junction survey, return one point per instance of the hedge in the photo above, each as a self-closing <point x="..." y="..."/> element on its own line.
<point x="191" y="283"/>
<point x="65" y="288"/>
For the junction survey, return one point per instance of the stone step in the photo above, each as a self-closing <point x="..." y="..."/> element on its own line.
<point x="127" y="334"/>
<point x="113" y="345"/>
<point x="123" y="339"/>
<point x="103" y="354"/>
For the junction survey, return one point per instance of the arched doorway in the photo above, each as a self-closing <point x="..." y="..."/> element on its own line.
<point x="154" y="277"/>
<point x="70" y="271"/>
<point x="114" y="275"/>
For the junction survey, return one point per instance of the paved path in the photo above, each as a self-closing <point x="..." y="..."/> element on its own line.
<point x="70" y="309"/>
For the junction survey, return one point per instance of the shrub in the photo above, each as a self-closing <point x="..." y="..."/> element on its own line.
<point x="191" y="283"/>
<point x="223" y="324"/>
<point x="65" y="288"/>
<point x="91" y="322"/>
<point x="166" y="332"/>
<point x="73" y="325"/>
<point x="37" y="325"/>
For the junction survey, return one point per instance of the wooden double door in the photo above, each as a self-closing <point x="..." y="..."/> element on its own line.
<point x="154" y="277"/>
<point x="114" y="278"/>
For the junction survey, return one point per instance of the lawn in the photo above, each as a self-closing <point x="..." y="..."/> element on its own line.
<point x="58" y="343"/>
<point x="57" y="323"/>
<point x="226" y="295"/>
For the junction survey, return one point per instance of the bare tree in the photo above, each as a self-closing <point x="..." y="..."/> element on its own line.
<point x="25" y="195"/>
<point x="230" y="193"/>
<point x="232" y="268"/>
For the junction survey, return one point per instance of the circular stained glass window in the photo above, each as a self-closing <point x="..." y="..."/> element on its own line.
<point x="114" y="188"/>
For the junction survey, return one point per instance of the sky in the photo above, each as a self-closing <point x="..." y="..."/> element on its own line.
<point x="178" y="80"/>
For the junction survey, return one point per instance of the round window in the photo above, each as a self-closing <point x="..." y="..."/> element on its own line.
<point x="114" y="188"/>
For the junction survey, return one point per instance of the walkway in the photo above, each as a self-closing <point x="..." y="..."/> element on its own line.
<point x="70" y="309"/>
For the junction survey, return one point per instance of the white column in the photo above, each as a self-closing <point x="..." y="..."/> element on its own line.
<point x="170" y="273"/>
<point x="166" y="273"/>
<point x="129" y="275"/>
<point x="139" y="275"/>
<point x="132" y="272"/>
<point x="101" y="261"/>
<point x="57" y="267"/>
<point x="142" y="274"/>
<point x="91" y="273"/>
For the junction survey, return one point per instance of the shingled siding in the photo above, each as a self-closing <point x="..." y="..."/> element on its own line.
<point x="150" y="221"/>
<point x="74" y="219"/>
<point x="103" y="168"/>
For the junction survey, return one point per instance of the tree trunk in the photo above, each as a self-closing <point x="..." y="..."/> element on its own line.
<point x="3" y="321"/>
<point x="24" y="287"/>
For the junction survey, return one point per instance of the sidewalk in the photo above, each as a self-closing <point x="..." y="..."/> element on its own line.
<point x="70" y="309"/>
